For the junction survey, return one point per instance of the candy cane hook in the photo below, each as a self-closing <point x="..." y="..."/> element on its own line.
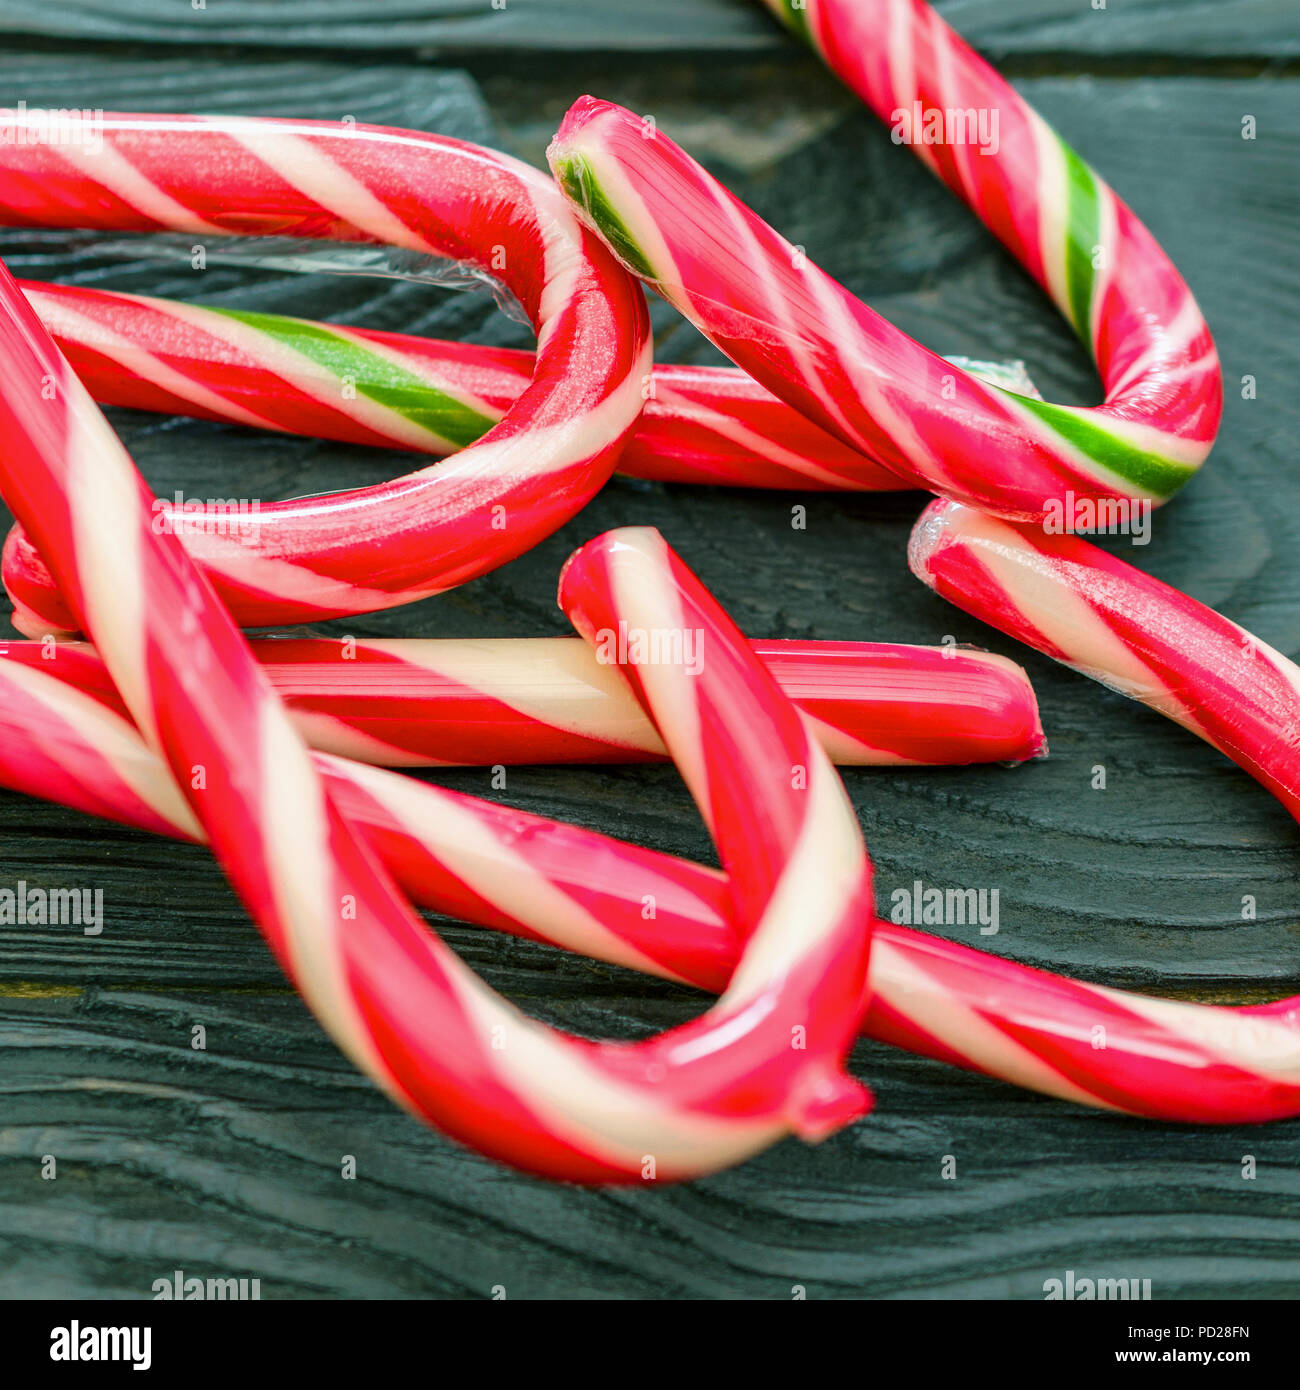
<point x="812" y="343"/>
<point x="713" y="425"/>
<point x="397" y="1000"/>
<point x="570" y="887"/>
<point x="375" y="547"/>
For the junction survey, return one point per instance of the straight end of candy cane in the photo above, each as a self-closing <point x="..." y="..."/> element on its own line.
<point x="1011" y="704"/>
<point x="948" y="538"/>
<point x="948" y="550"/>
<point x="570" y="152"/>
<point x="940" y="533"/>
<point x="931" y="534"/>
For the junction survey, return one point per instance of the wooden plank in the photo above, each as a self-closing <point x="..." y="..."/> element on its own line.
<point x="416" y="97"/>
<point x="1194" y="28"/>
<point x="227" y="1162"/>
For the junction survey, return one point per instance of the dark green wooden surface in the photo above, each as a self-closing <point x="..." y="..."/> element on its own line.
<point x="1181" y="28"/>
<point x="227" y="1162"/>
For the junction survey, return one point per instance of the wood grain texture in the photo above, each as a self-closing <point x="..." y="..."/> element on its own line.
<point x="1213" y="28"/>
<point x="227" y="1161"/>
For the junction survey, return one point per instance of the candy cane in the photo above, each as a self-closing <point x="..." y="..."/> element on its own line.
<point x="435" y="528"/>
<point x="412" y="703"/>
<point x="1075" y="602"/>
<point x="700" y="424"/>
<point x="569" y="887"/>
<point x="398" y="1002"/>
<point x="811" y="342"/>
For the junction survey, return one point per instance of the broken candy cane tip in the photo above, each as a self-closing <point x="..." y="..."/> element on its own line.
<point x="574" y="171"/>
<point x="929" y="535"/>
<point x="576" y="118"/>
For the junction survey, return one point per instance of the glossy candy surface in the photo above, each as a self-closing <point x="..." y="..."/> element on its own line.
<point x="395" y="999"/>
<point x="700" y="424"/>
<point x="571" y="887"/>
<point x="812" y="343"/>
<point x="413" y="703"/>
<point x="373" y="547"/>
<point x="713" y="425"/>
<point x="310" y="840"/>
<point x="1077" y="603"/>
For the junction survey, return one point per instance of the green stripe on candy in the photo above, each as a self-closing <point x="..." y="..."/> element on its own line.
<point x="1150" y="474"/>
<point x="795" y="16"/>
<point x="581" y="184"/>
<point x="1082" y="231"/>
<point x="375" y="377"/>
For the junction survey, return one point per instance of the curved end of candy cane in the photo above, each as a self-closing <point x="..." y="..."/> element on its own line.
<point x="801" y="887"/>
<point x="807" y="339"/>
<point x="624" y="538"/>
<point x="825" y="1102"/>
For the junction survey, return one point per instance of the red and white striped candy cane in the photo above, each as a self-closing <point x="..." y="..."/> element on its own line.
<point x="397" y="1001"/>
<point x="1075" y="602"/>
<point x="574" y="888"/>
<point x="700" y="424"/>
<point x="374" y="547"/>
<point x="414" y="703"/>
<point x="811" y="342"/>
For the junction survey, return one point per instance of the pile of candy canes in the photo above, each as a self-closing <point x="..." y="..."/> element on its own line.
<point x="276" y="752"/>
